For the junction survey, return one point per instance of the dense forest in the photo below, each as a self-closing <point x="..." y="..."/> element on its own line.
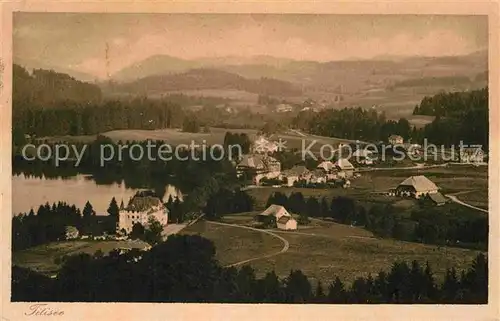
<point x="352" y="123"/>
<point x="184" y="269"/>
<point x="72" y="118"/>
<point x="45" y="87"/>
<point x="460" y="116"/>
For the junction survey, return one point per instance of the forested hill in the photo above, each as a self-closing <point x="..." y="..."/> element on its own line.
<point x="45" y="87"/>
<point x="198" y="79"/>
<point x="460" y="116"/>
<point x="454" y="104"/>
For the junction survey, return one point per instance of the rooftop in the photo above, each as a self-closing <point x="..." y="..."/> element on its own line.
<point x="420" y="183"/>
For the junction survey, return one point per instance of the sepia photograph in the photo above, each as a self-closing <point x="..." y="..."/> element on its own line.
<point x="249" y="158"/>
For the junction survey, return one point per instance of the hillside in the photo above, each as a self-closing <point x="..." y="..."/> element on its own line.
<point x="47" y="87"/>
<point x="200" y="79"/>
<point x="152" y="66"/>
<point x="30" y="64"/>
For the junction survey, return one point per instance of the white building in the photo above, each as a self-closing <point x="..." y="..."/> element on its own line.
<point x="140" y="209"/>
<point x="286" y="223"/>
<point x="259" y="166"/>
<point x="472" y="155"/>
<point x="295" y="174"/>
<point x="345" y="166"/>
<point x="395" y="139"/>
<point x="71" y="232"/>
<point x="284" y="108"/>
<point x="284" y="220"/>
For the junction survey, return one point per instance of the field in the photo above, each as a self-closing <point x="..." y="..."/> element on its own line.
<point x="325" y="250"/>
<point x="174" y="137"/>
<point x="235" y="244"/>
<point x="451" y="179"/>
<point x="43" y="258"/>
<point x="470" y="182"/>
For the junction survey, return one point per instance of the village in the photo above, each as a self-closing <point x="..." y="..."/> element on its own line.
<point x="260" y="170"/>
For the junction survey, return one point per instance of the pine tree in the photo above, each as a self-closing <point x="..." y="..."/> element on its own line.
<point x="336" y="292"/>
<point x="320" y="294"/>
<point x="450" y="286"/>
<point x="113" y="209"/>
<point x="313" y="207"/>
<point x="88" y="214"/>
<point x="429" y="284"/>
<point x="417" y="282"/>
<point x="297" y="289"/>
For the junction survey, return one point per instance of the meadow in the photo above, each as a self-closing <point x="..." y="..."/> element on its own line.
<point x="325" y="250"/>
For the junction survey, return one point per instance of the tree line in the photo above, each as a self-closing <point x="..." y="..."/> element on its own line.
<point x="353" y="123"/>
<point x="50" y="222"/>
<point x="47" y="86"/>
<point x="459" y="116"/>
<point x="184" y="269"/>
<point x="90" y="118"/>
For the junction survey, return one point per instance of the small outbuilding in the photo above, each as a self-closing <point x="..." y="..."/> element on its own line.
<point x="286" y="223"/>
<point x="438" y="198"/>
<point x="71" y="232"/>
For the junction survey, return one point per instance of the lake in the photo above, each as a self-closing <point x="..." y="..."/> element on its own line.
<point x="31" y="192"/>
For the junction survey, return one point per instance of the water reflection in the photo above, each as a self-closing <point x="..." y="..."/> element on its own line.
<point x="30" y="192"/>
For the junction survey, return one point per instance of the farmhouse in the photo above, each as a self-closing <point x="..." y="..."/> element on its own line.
<point x="280" y="215"/>
<point x="416" y="186"/>
<point x="395" y="139"/>
<point x="142" y="207"/>
<point x="472" y="155"/>
<point x="345" y="166"/>
<point x="296" y="173"/>
<point x="258" y="167"/>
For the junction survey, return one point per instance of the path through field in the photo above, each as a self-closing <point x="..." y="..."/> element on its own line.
<point x="456" y="200"/>
<point x="286" y="245"/>
<point x="418" y="166"/>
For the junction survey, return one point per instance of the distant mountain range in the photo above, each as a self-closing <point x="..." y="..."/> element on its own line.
<point x="286" y="77"/>
<point x="284" y="68"/>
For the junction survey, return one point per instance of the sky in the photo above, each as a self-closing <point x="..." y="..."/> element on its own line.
<point x="78" y="40"/>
